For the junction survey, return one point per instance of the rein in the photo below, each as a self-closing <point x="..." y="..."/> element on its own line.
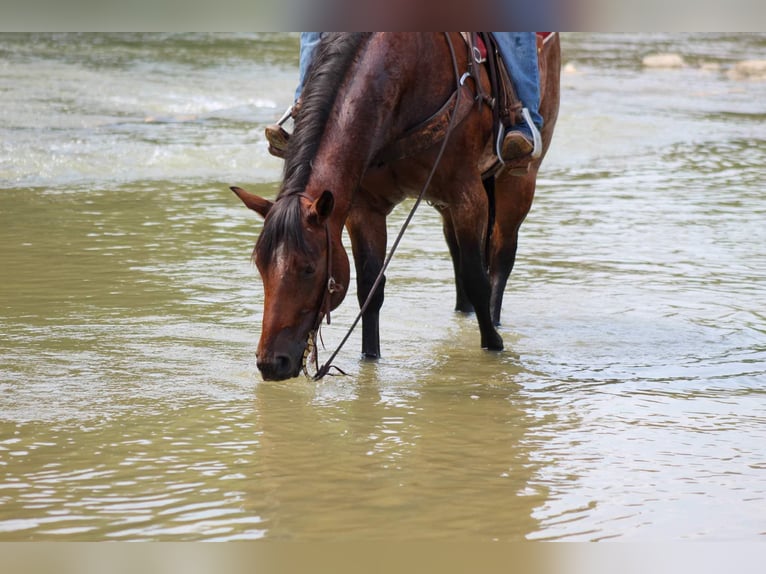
<point x="332" y="286"/>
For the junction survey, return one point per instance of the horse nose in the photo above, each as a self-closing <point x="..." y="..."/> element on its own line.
<point x="278" y="368"/>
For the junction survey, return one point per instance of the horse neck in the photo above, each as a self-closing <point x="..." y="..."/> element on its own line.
<point x="370" y="111"/>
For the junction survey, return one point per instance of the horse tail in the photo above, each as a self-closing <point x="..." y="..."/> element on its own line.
<point x="489" y="187"/>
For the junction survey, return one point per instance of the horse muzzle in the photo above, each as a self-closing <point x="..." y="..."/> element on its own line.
<point x="280" y="362"/>
<point x="279" y="367"/>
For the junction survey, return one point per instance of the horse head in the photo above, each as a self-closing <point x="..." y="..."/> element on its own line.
<point x="305" y="274"/>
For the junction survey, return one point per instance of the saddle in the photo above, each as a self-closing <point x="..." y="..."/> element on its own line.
<point x="506" y="108"/>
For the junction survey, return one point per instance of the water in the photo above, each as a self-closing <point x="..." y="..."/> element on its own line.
<point x="628" y="405"/>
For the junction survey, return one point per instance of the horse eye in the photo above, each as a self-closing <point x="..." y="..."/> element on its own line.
<point x="309" y="269"/>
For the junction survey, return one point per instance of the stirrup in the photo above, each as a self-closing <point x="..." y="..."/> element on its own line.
<point x="537" y="150"/>
<point x="289" y="112"/>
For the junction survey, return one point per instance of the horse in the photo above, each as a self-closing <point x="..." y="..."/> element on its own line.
<point x="355" y="153"/>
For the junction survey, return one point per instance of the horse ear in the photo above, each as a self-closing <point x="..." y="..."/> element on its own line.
<point x="254" y="202"/>
<point x="322" y="207"/>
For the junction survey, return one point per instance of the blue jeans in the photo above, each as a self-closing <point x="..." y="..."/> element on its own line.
<point x="519" y="52"/>
<point x="309" y="43"/>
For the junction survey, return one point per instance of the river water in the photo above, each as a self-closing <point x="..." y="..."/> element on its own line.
<point x="629" y="403"/>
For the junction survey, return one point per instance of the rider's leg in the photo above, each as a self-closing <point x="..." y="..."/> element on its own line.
<point x="519" y="52"/>
<point x="309" y="43"/>
<point x="276" y="135"/>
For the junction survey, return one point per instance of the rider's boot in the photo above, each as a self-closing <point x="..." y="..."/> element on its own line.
<point x="277" y="136"/>
<point x="521" y="143"/>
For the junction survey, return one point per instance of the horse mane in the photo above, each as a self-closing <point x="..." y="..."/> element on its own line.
<point x="334" y="56"/>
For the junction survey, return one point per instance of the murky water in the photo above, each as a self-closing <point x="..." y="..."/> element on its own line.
<point x="629" y="403"/>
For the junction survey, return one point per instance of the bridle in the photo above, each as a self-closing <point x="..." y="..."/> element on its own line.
<point x="331" y="287"/>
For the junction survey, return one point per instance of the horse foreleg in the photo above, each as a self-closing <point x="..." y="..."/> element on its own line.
<point x="513" y="199"/>
<point x="367" y="231"/>
<point x="470" y="223"/>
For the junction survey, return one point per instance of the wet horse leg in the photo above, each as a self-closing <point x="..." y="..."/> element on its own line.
<point x="462" y="304"/>
<point x="469" y="222"/>
<point x="514" y="195"/>
<point x="367" y="231"/>
<point x="513" y="199"/>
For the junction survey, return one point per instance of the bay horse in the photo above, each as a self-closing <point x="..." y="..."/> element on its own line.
<point x="354" y="155"/>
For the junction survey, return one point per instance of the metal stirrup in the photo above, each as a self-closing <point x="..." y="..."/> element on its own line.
<point x="285" y="116"/>
<point x="537" y="149"/>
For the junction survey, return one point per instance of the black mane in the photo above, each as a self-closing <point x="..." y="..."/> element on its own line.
<point x="334" y="56"/>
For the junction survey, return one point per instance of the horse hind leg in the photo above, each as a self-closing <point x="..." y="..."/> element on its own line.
<point x="500" y="271"/>
<point x="513" y="199"/>
<point x="469" y="224"/>
<point x="462" y="303"/>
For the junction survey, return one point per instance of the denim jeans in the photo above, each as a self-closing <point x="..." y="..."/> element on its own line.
<point x="309" y="43"/>
<point x="519" y="52"/>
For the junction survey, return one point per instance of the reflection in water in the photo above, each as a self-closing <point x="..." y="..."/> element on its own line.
<point x="427" y="459"/>
<point x="629" y="403"/>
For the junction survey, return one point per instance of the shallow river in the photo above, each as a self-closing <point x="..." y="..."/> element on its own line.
<point x="629" y="403"/>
